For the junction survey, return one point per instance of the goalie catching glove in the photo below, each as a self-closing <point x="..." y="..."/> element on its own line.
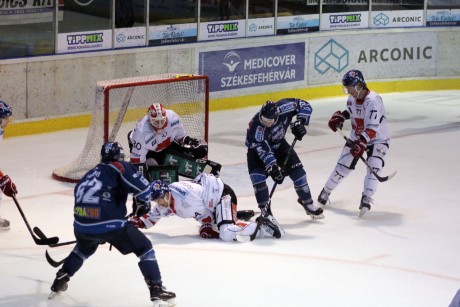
<point x="7" y="186"/>
<point x="197" y="148"/>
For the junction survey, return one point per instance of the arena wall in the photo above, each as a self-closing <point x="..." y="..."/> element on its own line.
<point x="57" y="92"/>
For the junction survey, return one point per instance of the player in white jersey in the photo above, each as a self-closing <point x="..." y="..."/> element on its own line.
<point x="209" y="201"/>
<point x="7" y="186"/>
<point x="159" y="131"/>
<point x="369" y="134"/>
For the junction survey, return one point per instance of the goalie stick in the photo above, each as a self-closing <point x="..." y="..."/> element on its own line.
<point x="41" y="235"/>
<point x="269" y="211"/>
<point x="38" y="241"/>
<point x="379" y="178"/>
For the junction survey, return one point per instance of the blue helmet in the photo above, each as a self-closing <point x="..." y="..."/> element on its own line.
<point x="5" y="110"/>
<point x="353" y="77"/>
<point x="158" y="188"/>
<point x="112" y="151"/>
<point x="269" y="112"/>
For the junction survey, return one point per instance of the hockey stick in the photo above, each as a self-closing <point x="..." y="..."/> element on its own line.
<point x="38" y="241"/>
<point x="53" y="262"/>
<point x="259" y="221"/>
<point x="41" y="235"/>
<point x="379" y="178"/>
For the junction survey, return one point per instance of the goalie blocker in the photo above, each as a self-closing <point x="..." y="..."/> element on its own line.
<point x="178" y="164"/>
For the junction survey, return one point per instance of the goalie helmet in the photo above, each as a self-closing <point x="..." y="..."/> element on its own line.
<point x="5" y="114"/>
<point x="112" y="151"/>
<point x="269" y="112"/>
<point x="353" y="77"/>
<point x="157" y="116"/>
<point x="158" y="189"/>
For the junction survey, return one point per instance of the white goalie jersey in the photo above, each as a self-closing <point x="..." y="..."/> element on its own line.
<point x="144" y="138"/>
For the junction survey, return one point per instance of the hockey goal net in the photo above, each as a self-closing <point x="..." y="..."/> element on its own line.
<point x="120" y="103"/>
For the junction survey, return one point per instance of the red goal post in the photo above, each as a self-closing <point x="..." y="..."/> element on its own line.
<point x="120" y="103"/>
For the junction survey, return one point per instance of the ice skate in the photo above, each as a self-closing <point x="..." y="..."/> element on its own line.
<point x="244" y="215"/>
<point x="269" y="228"/>
<point x="313" y="211"/>
<point x="323" y="197"/>
<point x="159" y="296"/>
<point x="365" y="205"/>
<point x="59" y="284"/>
<point x="4" y="224"/>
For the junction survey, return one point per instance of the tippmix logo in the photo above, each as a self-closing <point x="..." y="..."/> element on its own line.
<point x="331" y="55"/>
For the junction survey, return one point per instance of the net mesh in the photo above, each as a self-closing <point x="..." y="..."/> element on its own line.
<point x="120" y="103"/>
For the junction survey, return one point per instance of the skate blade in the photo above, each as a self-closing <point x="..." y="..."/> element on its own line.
<point x="52" y="295"/>
<point x="161" y="303"/>
<point x="363" y="211"/>
<point x="317" y="217"/>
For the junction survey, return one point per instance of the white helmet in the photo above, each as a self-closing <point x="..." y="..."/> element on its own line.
<point x="157" y="116"/>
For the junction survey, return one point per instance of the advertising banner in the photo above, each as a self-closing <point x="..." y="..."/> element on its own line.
<point x="443" y="18"/>
<point x="399" y="19"/>
<point x="232" y="69"/>
<point x="222" y="30"/>
<point x="297" y="24"/>
<point x="84" y="41"/>
<point x="341" y="21"/>
<point x="25" y="12"/>
<point x="173" y="34"/>
<point x="261" y="26"/>
<point x="130" y="37"/>
<point x="384" y="56"/>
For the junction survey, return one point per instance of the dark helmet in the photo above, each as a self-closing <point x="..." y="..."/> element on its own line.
<point x="269" y="112"/>
<point x="112" y="151"/>
<point x="5" y="110"/>
<point x="158" y="188"/>
<point x="353" y="77"/>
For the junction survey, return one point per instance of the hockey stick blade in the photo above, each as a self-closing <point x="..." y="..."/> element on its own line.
<point x="40" y="233"/>
<point x="52" y="262"/>
<point x="38" y="241"/>
<point x="379" y="178"/>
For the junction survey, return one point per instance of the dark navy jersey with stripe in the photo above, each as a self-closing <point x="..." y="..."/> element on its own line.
<point x="101" y="195"/>
<point x="267" y="139"/>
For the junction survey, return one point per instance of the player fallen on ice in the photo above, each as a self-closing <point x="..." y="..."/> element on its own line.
<point x="160" y="134"/>
<point x="7" y="186"/>
<point x="209" y="201"/>
<point x="268" y="149"/>
<point x="369" y="134"/>
<point x="99" y="212"/>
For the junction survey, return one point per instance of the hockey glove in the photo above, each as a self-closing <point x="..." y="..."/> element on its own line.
<point x="194" y="147"/>
<point x="207" y="232"/>
<point x="136" y="221"/>
<point x="142" y="207"/>
<point x="275" y="172"/>
<point x="358" y="148"/>
<point x="336" y="121"/>
<point x="298" y="129"/>
<point x="7" y="186"/>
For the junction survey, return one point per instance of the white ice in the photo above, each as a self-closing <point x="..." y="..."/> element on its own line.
<point x="404" y="252"/>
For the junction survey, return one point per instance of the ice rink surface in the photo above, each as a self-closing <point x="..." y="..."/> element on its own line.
<point x="404" y="252"/>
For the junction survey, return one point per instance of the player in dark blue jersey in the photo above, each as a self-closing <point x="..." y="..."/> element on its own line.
<point x="268" y="148"/>
<point x="100" y="216"/>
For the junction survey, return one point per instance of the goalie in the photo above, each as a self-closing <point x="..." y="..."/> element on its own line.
<point x="209" y="201"/>
<point x="160" y="134"/>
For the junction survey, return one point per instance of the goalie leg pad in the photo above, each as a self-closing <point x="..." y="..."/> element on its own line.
<point x="225" y="211"/>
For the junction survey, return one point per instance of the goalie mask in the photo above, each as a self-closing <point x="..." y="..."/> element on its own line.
<point x="112" y="151"/>
<point x="268" y="114"/>
<point x="157" y="116"/>
<point x="5" y="114"/>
